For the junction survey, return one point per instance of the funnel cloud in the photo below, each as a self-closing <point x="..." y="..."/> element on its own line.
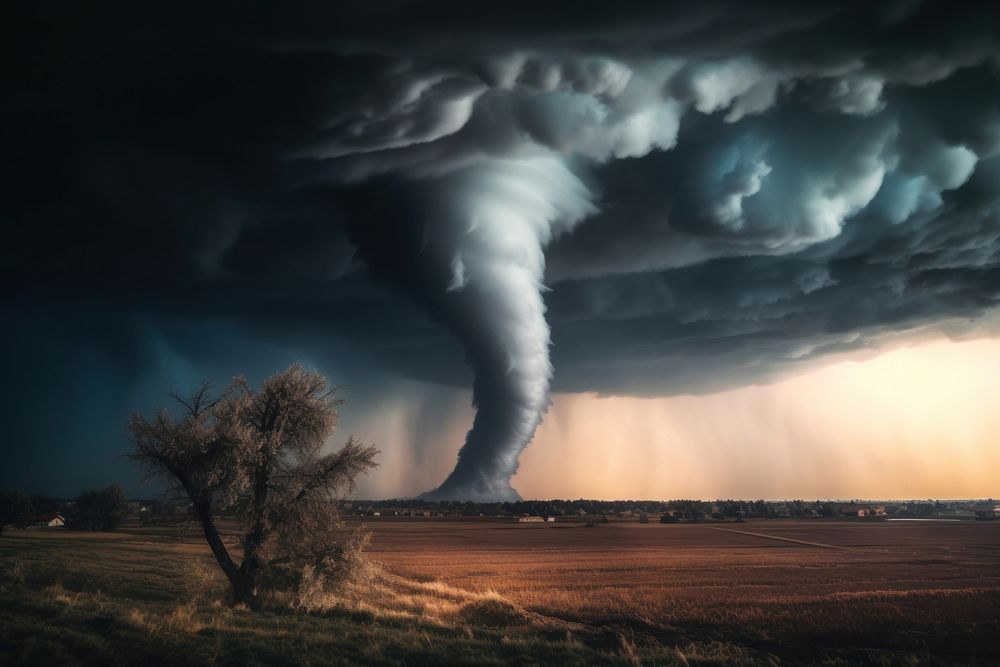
<point x="475" y="260"/>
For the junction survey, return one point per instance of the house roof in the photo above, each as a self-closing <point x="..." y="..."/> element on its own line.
<point x="49" y="516"/>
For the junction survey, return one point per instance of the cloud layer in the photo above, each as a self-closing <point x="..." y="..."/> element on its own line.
<point x="679" y="199"/>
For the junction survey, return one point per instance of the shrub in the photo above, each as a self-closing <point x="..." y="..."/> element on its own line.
<point x="98" y="510"/>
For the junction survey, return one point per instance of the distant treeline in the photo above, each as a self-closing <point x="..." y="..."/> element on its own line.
<point x="96" y="509"/>
<point x="682" y="508"/>
<point x="105" y="509"/>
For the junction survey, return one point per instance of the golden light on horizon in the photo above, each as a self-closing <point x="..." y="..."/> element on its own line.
<point x="915" y="422"/>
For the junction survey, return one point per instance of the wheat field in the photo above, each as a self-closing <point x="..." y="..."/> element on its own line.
<point x="488" y="593"/>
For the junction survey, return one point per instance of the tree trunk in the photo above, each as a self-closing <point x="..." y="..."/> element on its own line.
<point x="253" y="542"/>
<point x="242" y="588"/>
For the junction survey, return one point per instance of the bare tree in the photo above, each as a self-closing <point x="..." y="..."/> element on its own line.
<point x="257" y="454"/>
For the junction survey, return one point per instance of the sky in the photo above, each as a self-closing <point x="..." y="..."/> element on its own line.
<point x="916" y="422"/>
<point x="549" y="250"/>
<point x="919" y="421"/>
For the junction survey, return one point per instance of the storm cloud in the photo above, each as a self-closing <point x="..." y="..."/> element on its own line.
<point x="670" y="198"/>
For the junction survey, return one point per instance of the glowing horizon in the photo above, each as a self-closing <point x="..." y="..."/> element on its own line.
<point x="914" y="422"/>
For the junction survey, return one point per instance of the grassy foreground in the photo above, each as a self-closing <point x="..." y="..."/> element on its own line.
<point x="119" y="598"/>
<point x="497" y="595"/>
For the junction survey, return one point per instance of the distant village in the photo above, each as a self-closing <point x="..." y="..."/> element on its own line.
<point x="41" y="511"/>
<point x="676" y="511"/>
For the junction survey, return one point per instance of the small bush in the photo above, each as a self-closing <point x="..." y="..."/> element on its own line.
<point x="98" y="510"/>
<point x="315" y="585"/>
<point x="495" y="613"/>
<point x="12" y="572"/>
<point x="203" y="586"/>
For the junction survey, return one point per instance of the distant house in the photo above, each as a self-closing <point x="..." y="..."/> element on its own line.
<point x="530" y="519"/>
<point x="550" y="519"/>
<point x="863" y="511"/>
<point x="50" y="519"/>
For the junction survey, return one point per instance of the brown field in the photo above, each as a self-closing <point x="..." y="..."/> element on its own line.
<point x="787" y="588"/>
<point x="479" y="592"/>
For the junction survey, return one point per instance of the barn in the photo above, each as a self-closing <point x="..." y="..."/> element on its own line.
<point x="50" y="519"/>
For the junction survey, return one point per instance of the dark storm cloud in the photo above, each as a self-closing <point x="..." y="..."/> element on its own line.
<point x="716" y="194"/>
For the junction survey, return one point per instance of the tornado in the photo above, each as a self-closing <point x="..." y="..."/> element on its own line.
<point x="491" y="224"/>
<point x="463" y="180"/>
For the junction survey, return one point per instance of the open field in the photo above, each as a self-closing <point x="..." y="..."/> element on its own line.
<point x="482" y="592"/>
<point x="782" y="587"/>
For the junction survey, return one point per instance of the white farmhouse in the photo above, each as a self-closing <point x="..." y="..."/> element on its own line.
<point x="50" y="519"/>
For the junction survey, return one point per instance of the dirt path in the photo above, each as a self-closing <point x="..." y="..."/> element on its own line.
<point x="780" y="539"/>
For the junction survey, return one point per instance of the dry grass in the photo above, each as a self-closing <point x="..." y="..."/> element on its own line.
<point x="65" y="599"/>
<point x="487" y="593"/>
<point x="898" y="590"/>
